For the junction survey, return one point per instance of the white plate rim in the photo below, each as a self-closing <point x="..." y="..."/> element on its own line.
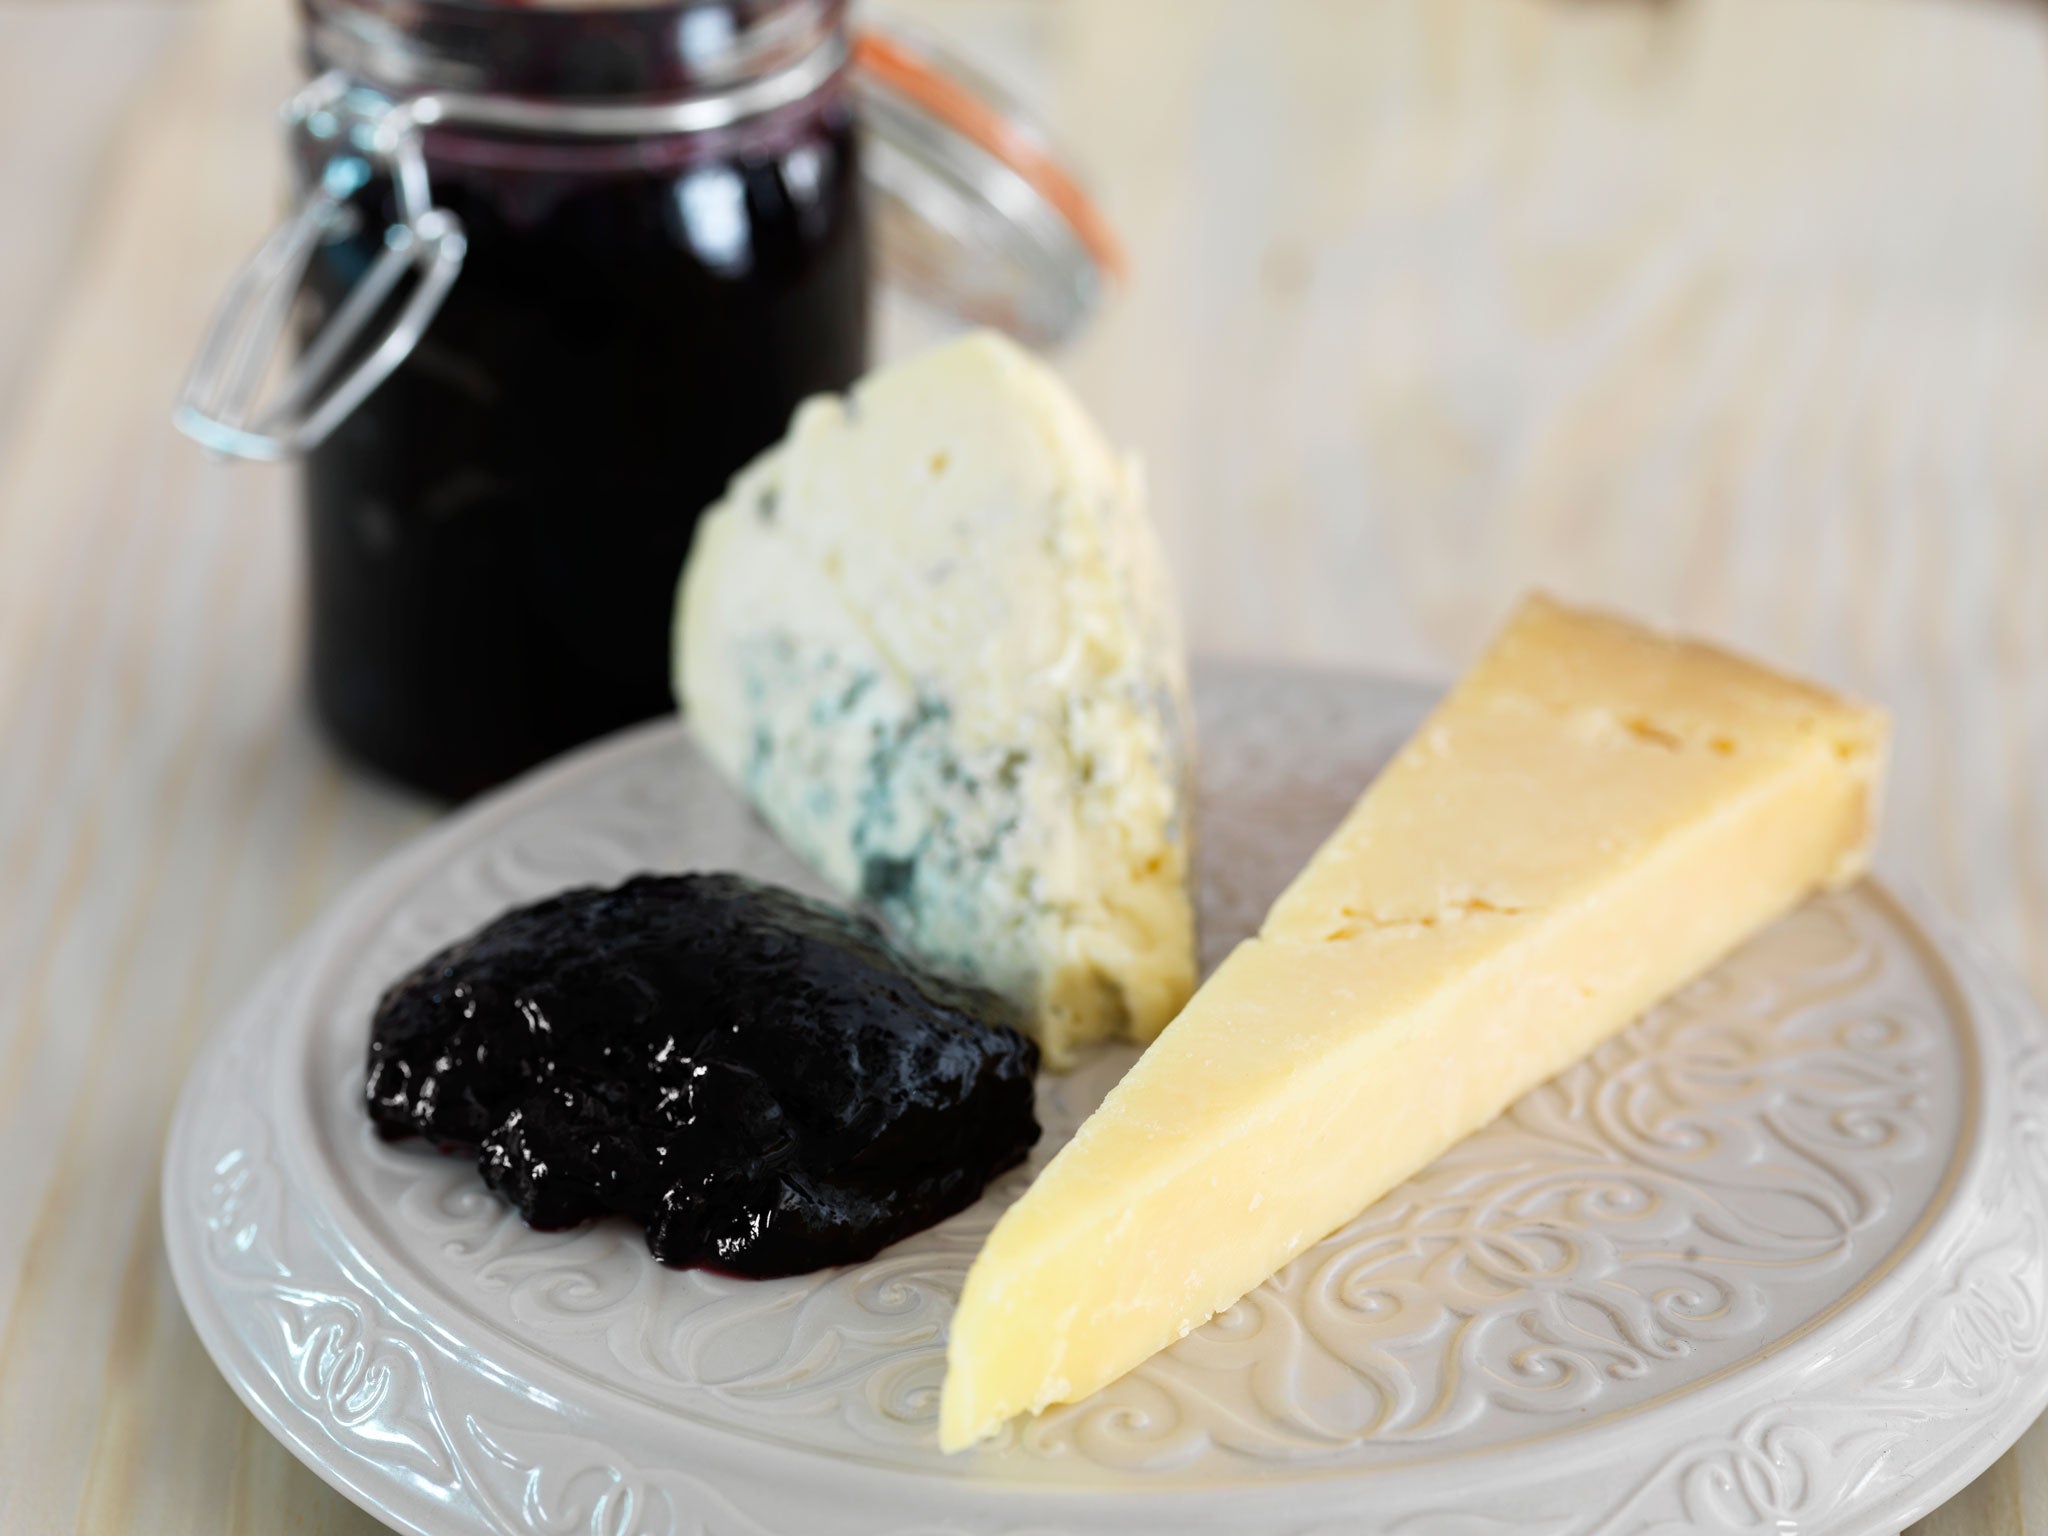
<point x="2001" y="1011"/>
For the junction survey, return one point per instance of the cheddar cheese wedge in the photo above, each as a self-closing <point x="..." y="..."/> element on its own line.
<point x="1595" y="815"/>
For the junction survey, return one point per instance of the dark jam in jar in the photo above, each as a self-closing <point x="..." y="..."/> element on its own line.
<point x="495" y="533"/>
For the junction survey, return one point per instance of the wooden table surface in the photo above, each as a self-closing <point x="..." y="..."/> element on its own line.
<point x="1732" y="314"/>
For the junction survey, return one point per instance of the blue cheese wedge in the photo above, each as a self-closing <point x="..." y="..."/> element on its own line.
<point x="930" y="635"/>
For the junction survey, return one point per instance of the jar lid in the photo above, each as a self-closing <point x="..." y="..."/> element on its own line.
<point x="975" y="211"/>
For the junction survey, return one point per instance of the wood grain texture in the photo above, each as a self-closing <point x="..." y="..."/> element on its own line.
<point x="68" y="76"/>
<point x="1733" y="314"/>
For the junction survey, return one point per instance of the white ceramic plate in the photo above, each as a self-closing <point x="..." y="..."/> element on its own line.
<point x="1772" y="1261"/>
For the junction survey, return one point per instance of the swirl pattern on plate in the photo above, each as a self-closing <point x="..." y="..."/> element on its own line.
<point x="1640" y="1222"/>
<point x="1585" y="1322"/>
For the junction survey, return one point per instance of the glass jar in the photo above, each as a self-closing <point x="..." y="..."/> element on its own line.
<point x="556" y="273"/>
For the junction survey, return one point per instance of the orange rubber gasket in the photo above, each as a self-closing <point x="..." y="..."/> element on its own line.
<point x="902" y="71"/>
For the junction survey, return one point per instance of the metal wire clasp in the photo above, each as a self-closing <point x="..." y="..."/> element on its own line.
<point x="222" y="406"/>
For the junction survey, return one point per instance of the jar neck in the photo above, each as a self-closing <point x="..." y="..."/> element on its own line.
<point x="710" y="61"/>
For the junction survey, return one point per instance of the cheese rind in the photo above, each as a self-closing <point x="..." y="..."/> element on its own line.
<point x="930" y="635"/>
<point x="1595" y="815"/>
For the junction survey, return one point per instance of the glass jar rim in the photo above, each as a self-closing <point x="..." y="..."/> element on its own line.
<point x="973" y="208"/>
<point x="610" y="52"/>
